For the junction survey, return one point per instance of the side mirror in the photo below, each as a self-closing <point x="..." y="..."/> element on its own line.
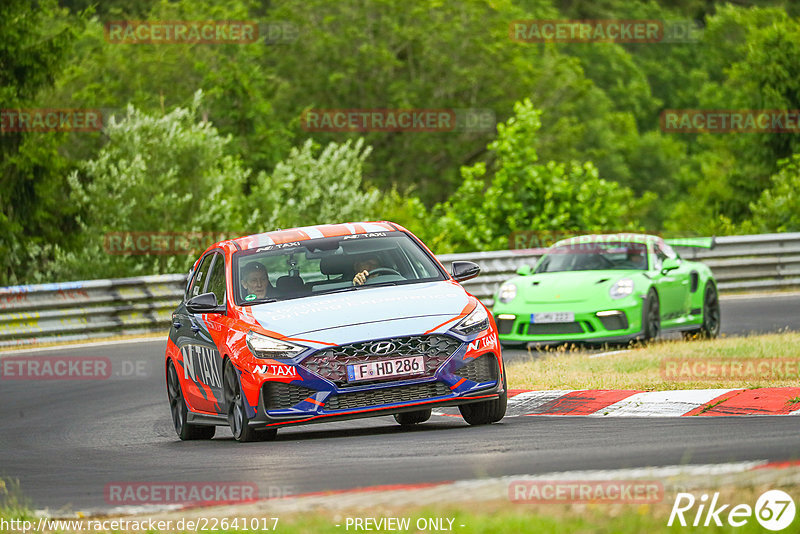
<point x="464" y="270"/>
<point x="525" y="270"/>
<point x="205" y="303"/>
<point x="670" y="264"/>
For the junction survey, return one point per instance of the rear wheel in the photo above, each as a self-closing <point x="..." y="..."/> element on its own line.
<point x="179" y="410"/>
<point x="237" y="412"/>
<point x="484" y="413"/>
<point x="412" y="418"/>
<point x="711" y="315"/>
<point x="652" y="316"/>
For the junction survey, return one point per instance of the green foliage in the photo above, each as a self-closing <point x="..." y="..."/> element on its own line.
<point x="309" y="188"/>
<point x="778" y="208"/>
<point x="594" y="113"/>
<point x="523" y="194"/>
<point x="34" y="44"/>
<point x="173" y="173"/>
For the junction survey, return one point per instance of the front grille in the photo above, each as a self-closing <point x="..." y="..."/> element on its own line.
<point x="376" y="397"/>
<point x="547" y="329"/>
<point x="332" y="363"/>
<point x="481" y="369"/>
<point x="278" y="395"/>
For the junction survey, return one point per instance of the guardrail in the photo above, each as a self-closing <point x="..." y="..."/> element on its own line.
<point x="98" y="308"/>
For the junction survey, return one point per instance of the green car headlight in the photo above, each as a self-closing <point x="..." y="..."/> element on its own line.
<point x="621" y="289"/>
<point x="267" y="347"/>
<point x="507" y="293"/>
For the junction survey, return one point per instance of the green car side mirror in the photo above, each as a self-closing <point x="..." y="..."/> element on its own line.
<point x="525" y="270"/>
<point x="670" y="264"/>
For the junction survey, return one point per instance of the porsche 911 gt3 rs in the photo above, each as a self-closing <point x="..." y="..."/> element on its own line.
<point x="608" y="288"/>
<point x="328" y="322"/>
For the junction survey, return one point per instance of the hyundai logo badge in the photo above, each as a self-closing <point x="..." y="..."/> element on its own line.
<point x="382" y="347"/>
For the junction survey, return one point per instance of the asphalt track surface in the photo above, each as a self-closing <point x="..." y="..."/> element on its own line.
<point x="65" y="440"/>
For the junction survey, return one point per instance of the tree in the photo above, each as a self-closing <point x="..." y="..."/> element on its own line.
<point x="522" y="194"/>
<point x="309" y="188"/>
<point x="34" y="43"/>
<point x="778" y="208"/>
<point x="170" y="173"/>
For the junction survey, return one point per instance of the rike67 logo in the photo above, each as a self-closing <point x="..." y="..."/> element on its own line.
<point x="774" y="510"/>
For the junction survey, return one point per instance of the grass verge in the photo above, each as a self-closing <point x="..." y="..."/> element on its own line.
<point x="717" y="363"/>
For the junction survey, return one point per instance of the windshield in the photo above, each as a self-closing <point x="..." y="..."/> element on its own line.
<point x="333" y="264"/>
<point x="594" y="257"/>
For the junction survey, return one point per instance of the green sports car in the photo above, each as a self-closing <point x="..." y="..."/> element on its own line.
<point x="610" y="288"/>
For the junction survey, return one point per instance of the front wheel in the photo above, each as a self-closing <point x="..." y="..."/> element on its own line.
<point x="484" y="413"/>
<point x="237" y="412"/>
<point x="179" y="410"/>
<point x="652" y="316"/>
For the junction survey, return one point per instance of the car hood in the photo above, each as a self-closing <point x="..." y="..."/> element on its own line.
<point x="422" y="307"/>
<point x="572" y="286"/>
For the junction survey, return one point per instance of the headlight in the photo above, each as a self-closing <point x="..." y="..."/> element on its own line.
<point x="477" y="321"/>
<point x="621" y="289"/>
<point x="267" y="347"/>
<point x="507" y="293"/>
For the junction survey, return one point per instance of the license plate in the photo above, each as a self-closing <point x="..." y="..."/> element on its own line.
<point x="412" y="365"/>
<point x="553" y="317"/>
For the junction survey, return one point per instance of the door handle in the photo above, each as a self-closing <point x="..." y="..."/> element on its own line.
<point x="195" y="328"/>
<point x="176" y="324"/>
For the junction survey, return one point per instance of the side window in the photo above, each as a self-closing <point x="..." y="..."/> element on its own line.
<point x="200" y="276"/>
<point x="216" y="280"/>
<point x="660" y="255"/>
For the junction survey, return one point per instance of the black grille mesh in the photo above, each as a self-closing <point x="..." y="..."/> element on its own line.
<point x="332" y="363"/>
<point x="482" y="369"/>
<point x="544" y="329"/>
<point x="375" y="397"/>
<point x="278" y="395"/>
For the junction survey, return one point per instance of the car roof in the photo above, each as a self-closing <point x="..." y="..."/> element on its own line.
<point x="305" y="233"/>
<point x="604" y="238"/>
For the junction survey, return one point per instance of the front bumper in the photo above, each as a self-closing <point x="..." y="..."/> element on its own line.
<point x="616" y="322"/>
<point x="457" y="381"/>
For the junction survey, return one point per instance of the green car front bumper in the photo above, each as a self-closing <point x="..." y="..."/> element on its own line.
<point x="617" y="322"/>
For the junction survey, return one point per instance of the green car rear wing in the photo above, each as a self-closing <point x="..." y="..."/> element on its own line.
<point x="697" y="242"/>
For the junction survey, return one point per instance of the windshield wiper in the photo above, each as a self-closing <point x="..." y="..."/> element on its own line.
<point x="356" y="288"/>
<point x="260" y="301"/>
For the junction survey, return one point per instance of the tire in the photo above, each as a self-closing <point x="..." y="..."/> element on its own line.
<point x="487" y="412"/>
<point x="711" y="315"/>
<point x="179" y="410"/>
<point x="651" y="316"/>
<point x="412" y="418"/>
<point x="237" y="414"/>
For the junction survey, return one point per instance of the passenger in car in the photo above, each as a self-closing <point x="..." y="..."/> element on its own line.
<point x="255" y="280"/>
